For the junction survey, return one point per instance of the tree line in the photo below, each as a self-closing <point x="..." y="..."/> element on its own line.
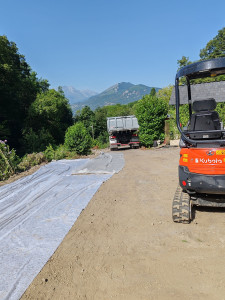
<point x="31" y="114"/>
<point x="151" y="112"/>
<point x="215" y="48"/>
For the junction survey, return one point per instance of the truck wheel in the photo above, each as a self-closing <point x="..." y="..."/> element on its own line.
<point x="181" y="210"/>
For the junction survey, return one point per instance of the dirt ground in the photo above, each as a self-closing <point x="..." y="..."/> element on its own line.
<point x="124" y="245"/>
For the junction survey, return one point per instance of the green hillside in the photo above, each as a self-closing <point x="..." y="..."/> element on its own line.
<point x="120" y="93"/>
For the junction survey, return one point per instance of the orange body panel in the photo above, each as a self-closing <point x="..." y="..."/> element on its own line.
<point x="208" y="161"/>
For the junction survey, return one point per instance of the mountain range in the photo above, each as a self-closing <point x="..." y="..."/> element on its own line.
<point x="75" y="95"/>
<point x="120" y="93"/>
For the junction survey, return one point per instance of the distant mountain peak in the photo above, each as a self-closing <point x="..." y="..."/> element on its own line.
<point x="119" y="93"/>
<point x="75" y="95"/>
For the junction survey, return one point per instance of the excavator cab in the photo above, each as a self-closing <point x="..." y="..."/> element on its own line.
<point x="202" y="143"/>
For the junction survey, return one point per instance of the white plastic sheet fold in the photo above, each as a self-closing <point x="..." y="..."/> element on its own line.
<point x="37" y="211"/>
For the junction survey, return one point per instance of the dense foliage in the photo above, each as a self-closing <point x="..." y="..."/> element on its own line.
<point x="48" y="118"/>
<point x="86" y="116"/>
<point x="31" y="115"/>
<point x="214" y="48"/>
<point x="8" y="160"/>
<point x="78" y="139"/>
<point x="151" y="113"/>
<point x="95" y="121"/>
<point x="19" y="87"/>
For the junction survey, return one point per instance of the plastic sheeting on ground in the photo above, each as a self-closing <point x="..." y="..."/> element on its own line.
<point x="37" y="211"/>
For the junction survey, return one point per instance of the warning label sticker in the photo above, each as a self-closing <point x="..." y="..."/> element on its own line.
<point x="220" y="152"/>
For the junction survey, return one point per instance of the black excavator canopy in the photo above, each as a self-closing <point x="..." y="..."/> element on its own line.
<point x="202" y="69"/>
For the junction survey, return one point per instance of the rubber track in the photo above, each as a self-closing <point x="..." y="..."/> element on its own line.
<point x="181" y="206"/>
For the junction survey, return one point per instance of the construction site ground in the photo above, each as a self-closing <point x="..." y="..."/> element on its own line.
<point x="124" y="244"/>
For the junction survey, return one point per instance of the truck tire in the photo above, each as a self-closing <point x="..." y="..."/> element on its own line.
<point x="181" y="209"/>
<point x="134" y="146"/>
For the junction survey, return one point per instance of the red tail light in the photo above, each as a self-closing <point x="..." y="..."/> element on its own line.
<point x="113" y="137"/>
<point x="184" y="183"/>
<point x="134" y="134"/>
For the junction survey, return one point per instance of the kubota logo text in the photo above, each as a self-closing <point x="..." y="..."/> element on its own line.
<point x="208" y="161"/>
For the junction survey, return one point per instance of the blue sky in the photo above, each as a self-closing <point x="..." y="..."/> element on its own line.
<point x="93" y="44"/>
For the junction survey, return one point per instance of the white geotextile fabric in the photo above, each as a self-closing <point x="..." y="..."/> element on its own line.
<point x="105" y="163"/>
<point x="37" y="211"/>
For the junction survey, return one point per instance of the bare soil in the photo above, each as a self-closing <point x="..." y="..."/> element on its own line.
<point x="124" y="245"/>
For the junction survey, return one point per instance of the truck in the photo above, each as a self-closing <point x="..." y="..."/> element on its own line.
<point x="123" y="132"/>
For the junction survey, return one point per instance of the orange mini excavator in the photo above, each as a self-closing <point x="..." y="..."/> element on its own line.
<point x="202" y="143"/>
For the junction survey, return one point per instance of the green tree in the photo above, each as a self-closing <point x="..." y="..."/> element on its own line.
<point x="119" y="110"/>
<point x="184" y="61"/>
<point x="49" y="116"/>
<point x="151" y="113"/>
<point x="100" y="121"/>
<point x="165" y="93"/>
<point x="184" y="117"/>
<point x="220" y="108"/>
<point x="215" y="47"/>
<point x="153" y="92"/>
<point x="77" y="138"/>
<point x="18" y="89"/>
<point x="36" y="141"/>
<point x="95" y="122"/>
<point x="86" y="116"/>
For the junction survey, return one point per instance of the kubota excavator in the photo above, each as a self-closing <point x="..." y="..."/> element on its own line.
<point x="202" y="143"/>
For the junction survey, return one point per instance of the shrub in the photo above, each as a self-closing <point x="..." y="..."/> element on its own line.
<point x="49" y="153"/>
<point x="151" y="113"/>
<point x="49" y="116"/>
<point x="61" y="152"/>
<point x="78" y="139"/>
<point x="30" y="160"/>
<point x="8" y="160"/>
<point x="102" y="141"/>
<point x="36" y="141"/>
<point x="184" y="117"/>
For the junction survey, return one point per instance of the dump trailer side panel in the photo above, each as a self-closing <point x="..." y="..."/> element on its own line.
<point x="122" y="123"/>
